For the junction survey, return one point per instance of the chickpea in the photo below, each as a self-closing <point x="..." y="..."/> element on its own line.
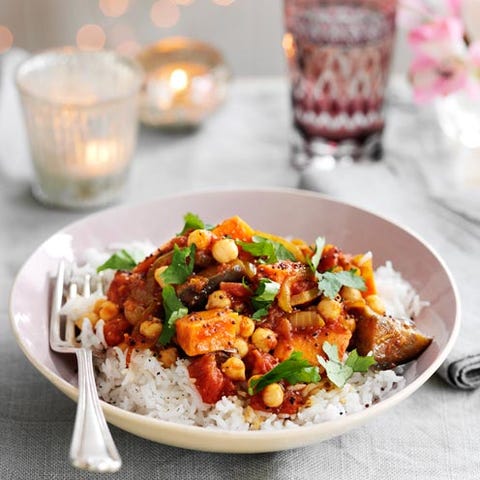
<point x="98" y="305"/>
<point x="241" y="346"/>
<point x="168" y="356"/>
<point x="151" y="329"/>
<point x="201" y="238"/>
<point x="272" y="395"/>
<point x="376" y="304"/>
<point x="234" y="369"/>
<point x="158" y="275"/>
<point x="225" y="250"/>
<point x="329" y="309"/>
<point x="108" y="310"/>
<point x="247" y="326"/>
<point x="352" y="297"/>
<point x="218" y="299"/>
<point x="264" y="339"/>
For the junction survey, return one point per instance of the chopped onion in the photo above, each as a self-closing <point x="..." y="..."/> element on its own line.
<point x="304" y="297"/>
<point x="306" y="319"/>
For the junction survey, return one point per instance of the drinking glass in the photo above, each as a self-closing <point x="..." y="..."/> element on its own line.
<point x="338" y="53"/>
<point x="80" y="110"/>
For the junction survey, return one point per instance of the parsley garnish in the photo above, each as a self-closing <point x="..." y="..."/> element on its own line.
<point x="192" y="222"/>
<point x="315" y="260"/>
<point x="338" y="372"/>
<point x="293" y="370"/>
<point x="264" y="296"/>
<point x="330" y="283"/>
<point x="270" y="251"/>
<point x="183" y="261"/>
<point x="174" y="309"/>
<point x="120" y="260"/>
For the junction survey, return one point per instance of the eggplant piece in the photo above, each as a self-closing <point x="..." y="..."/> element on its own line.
<point x="393" y="341"/>
<point x="195" y="291"/>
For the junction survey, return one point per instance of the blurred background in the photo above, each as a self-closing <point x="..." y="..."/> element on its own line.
<point x="247" y="32"/>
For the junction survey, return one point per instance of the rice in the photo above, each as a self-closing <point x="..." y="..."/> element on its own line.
<point x="147" y="388"/>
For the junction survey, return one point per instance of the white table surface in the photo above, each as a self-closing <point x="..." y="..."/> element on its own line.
<point x="435" y="434"/>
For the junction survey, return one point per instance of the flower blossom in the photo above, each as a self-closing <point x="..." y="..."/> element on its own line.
<point x="443" y="63"/>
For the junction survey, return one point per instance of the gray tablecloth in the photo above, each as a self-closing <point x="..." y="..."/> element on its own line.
<point x="433" y="434"/>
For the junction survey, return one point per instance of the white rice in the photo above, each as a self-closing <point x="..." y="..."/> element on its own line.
<point x="147" y="388"/>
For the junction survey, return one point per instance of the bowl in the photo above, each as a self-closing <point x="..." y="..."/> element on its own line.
<point x="281" y="211"/>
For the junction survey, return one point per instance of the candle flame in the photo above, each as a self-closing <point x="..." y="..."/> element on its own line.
<point x="178" y="80"/>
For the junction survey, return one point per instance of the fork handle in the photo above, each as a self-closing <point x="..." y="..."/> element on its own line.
<point x="92" y="445"/>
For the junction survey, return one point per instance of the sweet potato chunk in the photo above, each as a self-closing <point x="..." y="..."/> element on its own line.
<point x="309" y="341"/>
<point x="235" y="228"/>
<point x="207" y="331"/>
<point x="391" y="340"/>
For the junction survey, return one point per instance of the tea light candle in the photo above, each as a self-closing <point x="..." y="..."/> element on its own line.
<point x="81" y="115"/>
<point x="185" y="81"/>
<point x="101" y="158"/>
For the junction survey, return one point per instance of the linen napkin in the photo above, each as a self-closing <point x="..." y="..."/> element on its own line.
<point x="394" y="188"/>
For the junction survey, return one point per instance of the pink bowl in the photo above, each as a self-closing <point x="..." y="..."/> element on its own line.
<point x="284" y="212"/>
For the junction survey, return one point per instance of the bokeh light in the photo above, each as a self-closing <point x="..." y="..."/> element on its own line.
<point x="165" y="13"/>
<point x="113" y="8"/>
<point x="128" y="47"/>
<point x="120" y="33"/>
<point x="288" y="44"/>
<point x="184" y="2"/>
<point x="6" y="39"/>
<point x="91" y="37"/>
<point x="223" y="3"/>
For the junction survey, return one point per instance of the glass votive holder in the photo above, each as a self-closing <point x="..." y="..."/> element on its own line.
<point x="185" y="81"/>
<point x="338" y="53"/>
<point x="81" y="114"/>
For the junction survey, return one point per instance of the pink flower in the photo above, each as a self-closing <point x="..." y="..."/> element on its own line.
<point x="442" y="62"/>
<point x="439" y="38"/>
<point x="412" y="13"/>
<point x="431" y="78"/>
<point x="438" y="67"/>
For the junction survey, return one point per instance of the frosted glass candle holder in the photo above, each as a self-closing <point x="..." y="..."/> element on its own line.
<point x="185" y="81"/>
<point x="80" y="110"/>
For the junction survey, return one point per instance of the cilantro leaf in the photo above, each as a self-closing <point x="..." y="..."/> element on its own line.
<point x="359" y="363"/>
<point x="183" y="261"/>
<point x="293" y="370"/>
<point x="337" y="371"/>
<point x="121" y="260"/>
<point x="330" y="283"/>
<point x="174" y="309"/>
<point x="192" y="222"/>
<point x="270" y="251"/>
<point x="315" y="260"/>
<point x="264" y="296"/>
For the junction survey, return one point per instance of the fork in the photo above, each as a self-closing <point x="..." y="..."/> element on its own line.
<point x="92" y="447"/>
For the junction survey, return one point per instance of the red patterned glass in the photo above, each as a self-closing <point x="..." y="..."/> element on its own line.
<point x="339" y="56"/>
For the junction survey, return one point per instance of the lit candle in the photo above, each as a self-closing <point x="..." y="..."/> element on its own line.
<point x="101" y="157"/>
<point x="185" y="81"/>
<point x="83" y="132"/>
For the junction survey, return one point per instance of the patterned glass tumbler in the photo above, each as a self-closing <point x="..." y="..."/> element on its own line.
<point x="338" y="52"/>
<point x="80" y="110"/>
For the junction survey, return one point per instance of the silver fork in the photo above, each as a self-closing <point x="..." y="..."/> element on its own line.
<point x="92" y="446"/>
